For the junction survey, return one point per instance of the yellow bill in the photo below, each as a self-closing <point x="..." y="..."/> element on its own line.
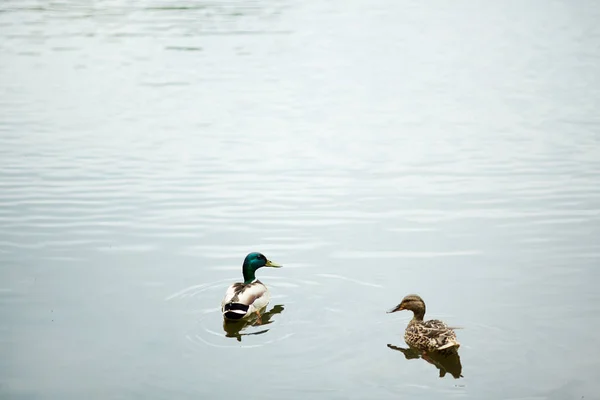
<point x="273" y="264"/>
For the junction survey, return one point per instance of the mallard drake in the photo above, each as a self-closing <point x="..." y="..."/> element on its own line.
<point x="429" y="335"/>
<point x="244" y="299"/>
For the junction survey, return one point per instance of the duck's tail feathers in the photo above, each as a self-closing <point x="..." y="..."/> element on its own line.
<point x="235" y="310"/>
<point x="451" y="343"/>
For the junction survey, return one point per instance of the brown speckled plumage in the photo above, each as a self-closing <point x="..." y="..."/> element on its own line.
<point x="429" y="335"/>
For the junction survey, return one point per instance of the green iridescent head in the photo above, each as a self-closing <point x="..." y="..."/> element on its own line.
<point x="254" y="261"/>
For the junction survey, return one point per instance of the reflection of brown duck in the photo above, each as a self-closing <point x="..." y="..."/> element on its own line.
<point x="234" y="328"/>
<point x="445" y="360"/>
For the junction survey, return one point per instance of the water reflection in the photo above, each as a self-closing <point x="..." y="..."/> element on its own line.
<point x="234" y="329"/>
<point x="446" y="361"/>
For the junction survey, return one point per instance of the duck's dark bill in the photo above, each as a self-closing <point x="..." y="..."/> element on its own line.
<point x="397" y="308"/>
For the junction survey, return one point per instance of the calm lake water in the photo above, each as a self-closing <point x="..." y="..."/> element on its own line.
<point x="375" y="148"/>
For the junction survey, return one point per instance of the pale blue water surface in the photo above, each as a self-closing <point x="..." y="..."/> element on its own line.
<point x="375" y="148"/>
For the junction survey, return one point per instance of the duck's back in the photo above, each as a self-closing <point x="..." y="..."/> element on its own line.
<point x="243" y="299"/>
<point x="430" y="335"/>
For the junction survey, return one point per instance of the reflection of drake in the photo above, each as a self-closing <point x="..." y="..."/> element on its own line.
<point x="234" y="328"/>
<point x="445" y="360"/>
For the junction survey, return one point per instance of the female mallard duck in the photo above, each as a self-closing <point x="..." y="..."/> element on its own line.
<point x="429" y="335"/>
<point x="244" y="299"/>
